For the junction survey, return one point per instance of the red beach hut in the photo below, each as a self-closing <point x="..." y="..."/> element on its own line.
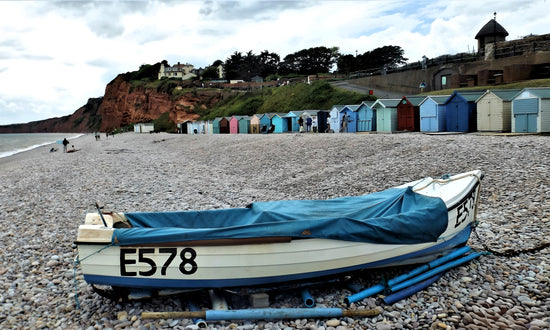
<point x="408" y="113"/>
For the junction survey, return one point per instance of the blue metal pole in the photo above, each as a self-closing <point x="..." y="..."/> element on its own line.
<point x="407" y="292"/>
<point x="264" y="314"/>
<point x="198" y="321"/>
<point x="434" y="271"/>
<point x="285" y="313"/>
<point x="419" y="270"/>
<point x="307" y="298"/>
<point x="430" y="265"/>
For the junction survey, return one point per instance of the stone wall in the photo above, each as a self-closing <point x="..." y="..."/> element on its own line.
<point x="470" y="74"/>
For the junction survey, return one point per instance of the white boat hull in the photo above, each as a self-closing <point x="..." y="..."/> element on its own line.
<point x="198" y="266"/>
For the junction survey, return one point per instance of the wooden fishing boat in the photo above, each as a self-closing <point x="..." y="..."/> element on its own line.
<point x="274" y="242"/>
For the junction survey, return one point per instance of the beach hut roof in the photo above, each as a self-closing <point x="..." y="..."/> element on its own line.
<point x="503" y="94"/>
<point x="416" y="99"/>
<point x="468" y="96"/>
<point x="367" y="103"/>
<point x="353" y="107"/>
<point x="387" y="103"/>
<point x="311" y="112"/>
<point x="542" y="92"/>
<point x="241" y="117"/>
<point x="438" y="99"/>
<point x="338" y="107"/>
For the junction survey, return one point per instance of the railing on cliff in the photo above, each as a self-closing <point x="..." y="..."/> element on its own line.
<point x="502" y="49"/>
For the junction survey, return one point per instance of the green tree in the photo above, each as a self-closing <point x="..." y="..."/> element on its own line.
<point x="210" y="72"/>
<point x="382" y="57"/>
<point x="310" y="61"/>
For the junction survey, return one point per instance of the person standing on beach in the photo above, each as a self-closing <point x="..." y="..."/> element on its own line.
<point x="301" y="124"/>
<point x="65" y="144"/>
<point x="344" y="123"/>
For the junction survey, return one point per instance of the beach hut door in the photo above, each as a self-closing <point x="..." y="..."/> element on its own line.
<point x="526" y="113"/>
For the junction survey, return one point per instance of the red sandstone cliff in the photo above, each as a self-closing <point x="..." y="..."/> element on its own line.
<point x="123" y="105"/>
<point x="82" y="120"/>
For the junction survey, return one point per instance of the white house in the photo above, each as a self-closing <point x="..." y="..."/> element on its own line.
<point x="181" y="71"/>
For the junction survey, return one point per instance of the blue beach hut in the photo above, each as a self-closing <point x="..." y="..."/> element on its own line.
<point x="366" y="117"/>
<point x="386" y="114"/>
<point x="531" y="111"/>
<point x="216" y="125"/>
<point x="351" y="112"/>
<point x="244" y="124"/>
<point x="293" y="121"/>
<point x="433" y="114"/>
<point x="461" y="111"/>
<point x="335" y="118"/>
<point x="265" y="122"/>
<point x="280" y="122"/>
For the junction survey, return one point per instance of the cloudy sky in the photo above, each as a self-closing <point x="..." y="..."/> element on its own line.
<point x="54" y="55"/>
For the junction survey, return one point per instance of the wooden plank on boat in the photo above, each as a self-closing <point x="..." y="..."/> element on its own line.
<point x="221" y="241"/>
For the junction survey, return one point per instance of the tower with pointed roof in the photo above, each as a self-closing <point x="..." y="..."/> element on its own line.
<point x="489" y="34"/>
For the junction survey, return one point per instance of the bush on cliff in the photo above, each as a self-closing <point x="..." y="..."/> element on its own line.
<point x="319" y="95"/>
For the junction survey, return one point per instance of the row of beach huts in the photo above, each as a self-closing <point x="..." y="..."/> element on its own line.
<point x="504" y="110"/>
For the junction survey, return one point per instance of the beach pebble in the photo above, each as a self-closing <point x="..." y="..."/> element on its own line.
<point x="45" y="197"/>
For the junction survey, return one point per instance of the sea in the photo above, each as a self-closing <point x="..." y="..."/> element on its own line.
<point x="14" y="143"/>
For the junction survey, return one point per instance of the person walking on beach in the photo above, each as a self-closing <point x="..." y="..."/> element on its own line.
<point x="308" y="124"/>
<point x="344" y="123"/>
<point x="65" y="144"/>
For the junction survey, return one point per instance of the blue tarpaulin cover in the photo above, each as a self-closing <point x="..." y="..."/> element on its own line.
<point x="393" y="216"/>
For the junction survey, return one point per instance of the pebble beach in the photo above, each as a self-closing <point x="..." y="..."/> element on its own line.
<point x="45" y="197"/>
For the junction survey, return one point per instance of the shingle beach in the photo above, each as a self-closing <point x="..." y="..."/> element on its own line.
<point x="45" y="197"/>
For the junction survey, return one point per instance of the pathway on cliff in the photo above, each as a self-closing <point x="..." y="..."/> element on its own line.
<point x="382" y="94"/>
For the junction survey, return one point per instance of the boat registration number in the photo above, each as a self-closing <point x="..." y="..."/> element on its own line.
<point x="466" y="207"/>
<point x="151" y="261"/>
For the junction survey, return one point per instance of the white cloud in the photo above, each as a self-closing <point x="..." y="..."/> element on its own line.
<point x="56" y="55"/>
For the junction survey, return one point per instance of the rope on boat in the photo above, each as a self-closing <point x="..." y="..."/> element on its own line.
<point x="75" y="263"/>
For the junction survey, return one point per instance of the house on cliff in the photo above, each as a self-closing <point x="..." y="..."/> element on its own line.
<point x="181" y="71"/>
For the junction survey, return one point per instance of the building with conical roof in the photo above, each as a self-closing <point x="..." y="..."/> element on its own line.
<point x="489" y="34"/>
